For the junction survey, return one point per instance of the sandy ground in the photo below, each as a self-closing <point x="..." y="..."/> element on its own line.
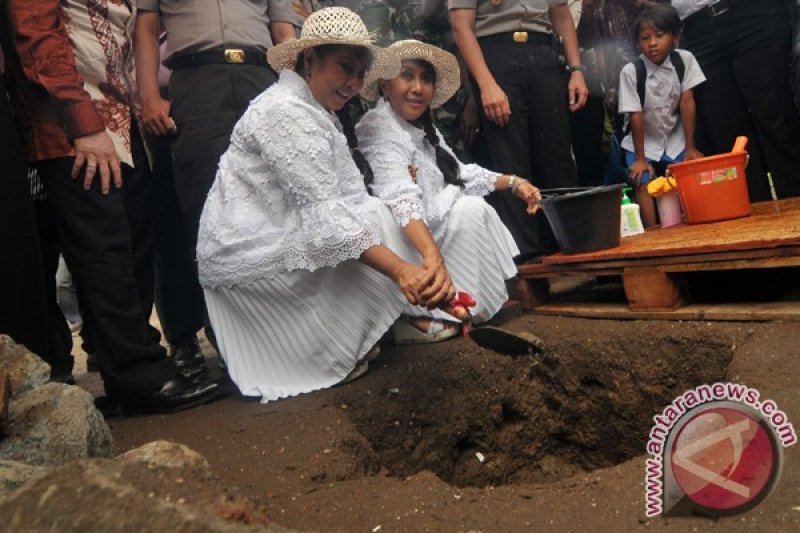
<point x="453" y="437"/>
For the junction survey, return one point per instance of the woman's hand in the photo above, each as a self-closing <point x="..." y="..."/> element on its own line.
<point x="438" y="288"/>
<point x="409" y="278"/>
<point x="531" y="195"/>
<point x="639" y="167"/>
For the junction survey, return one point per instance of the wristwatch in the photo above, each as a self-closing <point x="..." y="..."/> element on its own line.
<point x="576" y="68"/>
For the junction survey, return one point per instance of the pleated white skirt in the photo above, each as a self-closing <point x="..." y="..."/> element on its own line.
<point x="478" y="251"/>
<point x="302" y="331"/>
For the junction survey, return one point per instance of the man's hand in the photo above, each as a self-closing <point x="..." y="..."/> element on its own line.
<point x="495" y="104"/>
<point x="577" y="90"/>
<point x="156" y="119"/>
<point x="96" y="151"/>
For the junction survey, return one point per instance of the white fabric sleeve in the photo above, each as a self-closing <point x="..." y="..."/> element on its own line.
<point x="478" y="181"/>
<point x="629" y="101"/>
<point x="390" y="158"/>
<point x="298" y="149"/>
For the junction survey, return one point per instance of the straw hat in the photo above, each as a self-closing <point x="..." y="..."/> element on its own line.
<point x="333" y="25"/>
<point x="448" y="74"/>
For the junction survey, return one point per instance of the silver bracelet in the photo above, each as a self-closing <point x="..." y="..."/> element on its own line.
<point x="516" y="186"/>
<point x="511" y="179"/>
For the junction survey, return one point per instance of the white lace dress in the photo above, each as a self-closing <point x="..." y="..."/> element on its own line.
<point x="288" y="215"/>
<point x="477" y="247"/>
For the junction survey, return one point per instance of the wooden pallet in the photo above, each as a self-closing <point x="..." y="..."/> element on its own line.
<point x="653" y="265"/>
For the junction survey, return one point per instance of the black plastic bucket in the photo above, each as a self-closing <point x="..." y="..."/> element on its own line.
<point x="584" y="219"/>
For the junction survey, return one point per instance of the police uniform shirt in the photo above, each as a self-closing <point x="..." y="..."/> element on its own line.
<point x="198" y="25"/>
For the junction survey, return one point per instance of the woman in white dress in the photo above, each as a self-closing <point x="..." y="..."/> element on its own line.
<point x="303" y="271"/>
<point x="435" y="198"/>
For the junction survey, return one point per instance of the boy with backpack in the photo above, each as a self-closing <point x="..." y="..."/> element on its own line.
<point x="656" y="92"/>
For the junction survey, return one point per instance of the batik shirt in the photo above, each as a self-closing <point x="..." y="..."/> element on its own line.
<point x="72" y="65"/>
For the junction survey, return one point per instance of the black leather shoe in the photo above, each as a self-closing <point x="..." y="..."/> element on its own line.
<point x="188" y="358"/>
<point x="178" y="394"/>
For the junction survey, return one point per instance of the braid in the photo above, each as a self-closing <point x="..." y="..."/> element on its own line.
<point x="352" y="142"/>
<point x="446" y="162"/>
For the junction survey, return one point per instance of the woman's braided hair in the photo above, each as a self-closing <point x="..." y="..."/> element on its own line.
<point x="444" y="160"/>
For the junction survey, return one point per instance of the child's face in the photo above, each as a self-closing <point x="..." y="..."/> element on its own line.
<point x="655" y="44"/>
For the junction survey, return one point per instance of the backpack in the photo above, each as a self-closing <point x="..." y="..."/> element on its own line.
<point x="641" y="79"/>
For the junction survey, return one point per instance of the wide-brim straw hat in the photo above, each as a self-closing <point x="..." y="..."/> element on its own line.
<point x="333" y="25"/>
<point x="448" y="73"/>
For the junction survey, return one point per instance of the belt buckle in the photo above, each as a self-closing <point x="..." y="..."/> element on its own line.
<point x="234" y="55"/>
<point x="520" y="37"/>
<point x="717" y="9"/>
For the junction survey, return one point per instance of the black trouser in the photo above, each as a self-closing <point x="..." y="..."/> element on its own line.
<point x="95" y="232"/>
<point x="23" y="312"/>
<point x="207" y="101"/>
<point x="179" y="300"/>
<point x="535" y="144"/>
<point x="744" y="54"/>
<point x="59" y="336"/>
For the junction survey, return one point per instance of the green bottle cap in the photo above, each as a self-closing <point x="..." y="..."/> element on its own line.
<point x="625" y="199"/>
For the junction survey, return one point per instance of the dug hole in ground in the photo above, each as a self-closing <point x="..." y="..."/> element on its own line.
<point x="454" y="437"/>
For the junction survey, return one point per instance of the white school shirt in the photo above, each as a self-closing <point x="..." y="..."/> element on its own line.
<point x="663" y="130"/>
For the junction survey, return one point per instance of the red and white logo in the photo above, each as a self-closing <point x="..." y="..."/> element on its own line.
<point x="724" y="458"/>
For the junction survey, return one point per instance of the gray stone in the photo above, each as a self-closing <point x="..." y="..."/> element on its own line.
<point x="53" y="425"/>
<point x="26" y="369"/>
<point x="14" y="474"/>
<point x="164" y="487"/>
<point x="166" y="454"/>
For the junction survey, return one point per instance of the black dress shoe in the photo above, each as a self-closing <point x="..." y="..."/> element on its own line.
<point x="188" y="358"/>
<point x="178" y="394"/>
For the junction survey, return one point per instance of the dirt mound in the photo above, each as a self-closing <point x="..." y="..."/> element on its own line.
<point x="477" y="418"/>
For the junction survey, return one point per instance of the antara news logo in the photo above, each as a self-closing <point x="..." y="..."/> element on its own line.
<point x="716" y="450"/>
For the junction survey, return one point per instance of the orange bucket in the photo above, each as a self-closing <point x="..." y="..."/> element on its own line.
<point x="713" y="188"/>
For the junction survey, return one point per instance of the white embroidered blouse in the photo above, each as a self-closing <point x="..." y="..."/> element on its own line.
<point x="391" y="144"/>
<point x="287" y="193"/>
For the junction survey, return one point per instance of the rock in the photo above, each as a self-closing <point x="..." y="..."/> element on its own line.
<point x="163" y="487"/>
<point x="54" y="424"/>
<point x="166" y="454"/>
<point x="13" y="475"/>
<point x="25" y="369"/>
<point x="5" y="398"/>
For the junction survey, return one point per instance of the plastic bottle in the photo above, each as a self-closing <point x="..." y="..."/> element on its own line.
<point x="630" y="221"/>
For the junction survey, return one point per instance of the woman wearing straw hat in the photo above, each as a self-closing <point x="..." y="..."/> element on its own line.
<point x="294" y="256"/>
<point x="434" y="197"/>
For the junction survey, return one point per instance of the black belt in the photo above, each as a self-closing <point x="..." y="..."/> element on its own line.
<point x="714" y="9"/>
<point x="229" y="56"/>
<point x="518" y="37"/>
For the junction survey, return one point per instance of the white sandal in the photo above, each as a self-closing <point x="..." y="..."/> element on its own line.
<point x="407" y="333"/>
<point x="363" y="365"/>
